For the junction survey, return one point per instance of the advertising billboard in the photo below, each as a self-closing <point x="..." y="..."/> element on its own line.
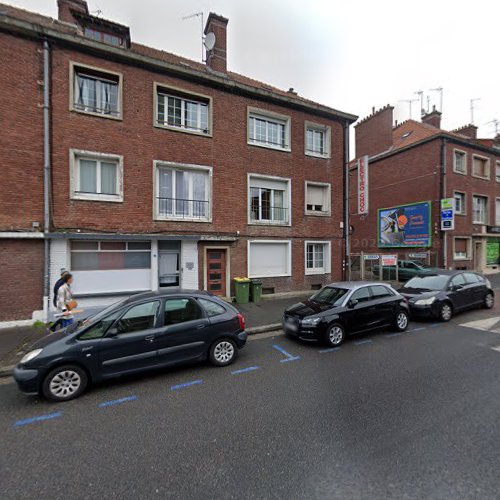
<point x="405" y="226"/>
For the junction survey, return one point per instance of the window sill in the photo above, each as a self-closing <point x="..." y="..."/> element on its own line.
<point x="311" y="272"/>
<point x="97" y="197"/>
<point x="459" y="172"/>
<point x="270" y="275"/>
<point x="480" y="177"/>
<point x="182" y="219"/>
<point x="184" y="130"/>
<point x="269" y="224"/>
<point x="479" y="223"/>
<point x="461" y="259"/>
<point x="98" y="115"/>
<point x="268" y="146"/>
<point x="325" y="156"/>
<point x="318" y="214"/>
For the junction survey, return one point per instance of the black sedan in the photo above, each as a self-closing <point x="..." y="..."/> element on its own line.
<point x="443" y="294"/>
<point x="149" y="330"/>
<point x="344" y="308"/>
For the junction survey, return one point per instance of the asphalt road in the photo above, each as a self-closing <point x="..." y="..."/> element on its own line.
<point x="414" y="415"/>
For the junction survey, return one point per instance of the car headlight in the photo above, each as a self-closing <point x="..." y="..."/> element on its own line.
<point x="30" y="355"/>
<point x="310" y="321"/>
<point x="425" y="302"/>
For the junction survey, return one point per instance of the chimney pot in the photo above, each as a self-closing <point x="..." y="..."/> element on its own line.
<point x="433" y="118"/>
<point x="217" y="57"/>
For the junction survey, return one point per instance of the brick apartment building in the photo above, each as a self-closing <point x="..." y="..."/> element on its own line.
<point x="135" y="168"/>
<point x="418" y="162"/>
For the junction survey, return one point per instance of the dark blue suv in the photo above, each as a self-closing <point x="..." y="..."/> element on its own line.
<point x="149" y="330"/>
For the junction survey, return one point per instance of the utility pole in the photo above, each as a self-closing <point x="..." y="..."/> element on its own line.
<point x="472" y="101"/>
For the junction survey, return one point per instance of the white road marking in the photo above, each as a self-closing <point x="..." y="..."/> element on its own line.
<point x="496" y="348"/>
<point x="486" y="324"/>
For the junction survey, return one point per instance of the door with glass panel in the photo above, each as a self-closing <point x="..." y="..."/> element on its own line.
<point x="169" y="257"/>
<point x="216" y="272"/>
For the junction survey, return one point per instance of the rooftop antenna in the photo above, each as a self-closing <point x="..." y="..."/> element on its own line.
<point x="409" y="101"/>
<point x="200" y="15"/>
<point x="496" y="123"/>
<point x="472" y="101"/>
<point x="420" y="94"/>
<point x="97" y="12"/>
<point x="440" y="90"/>
<point x="428" y="104"/>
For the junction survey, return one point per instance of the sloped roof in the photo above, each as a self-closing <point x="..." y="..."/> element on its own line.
<point x="173" y="59"/>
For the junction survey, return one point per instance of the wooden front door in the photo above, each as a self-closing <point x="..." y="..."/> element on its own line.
<point x="216" y="272"/>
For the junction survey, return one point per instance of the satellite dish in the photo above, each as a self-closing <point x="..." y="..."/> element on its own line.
<point x="209" y="41"/>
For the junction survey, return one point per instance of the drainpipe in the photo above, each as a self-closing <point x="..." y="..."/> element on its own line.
<point x="46" y="178"/>
<point x="347" y="263"/>
<point x="444" y="239"/>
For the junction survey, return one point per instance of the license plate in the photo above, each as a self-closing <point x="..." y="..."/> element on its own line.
<point x="291" y="326"/>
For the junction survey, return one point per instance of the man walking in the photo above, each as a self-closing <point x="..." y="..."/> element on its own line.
<point x="59" y="322"/>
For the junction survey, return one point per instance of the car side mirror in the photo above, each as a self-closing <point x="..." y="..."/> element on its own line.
<point x="112" y="332"/>
<point x="352" y="303"/>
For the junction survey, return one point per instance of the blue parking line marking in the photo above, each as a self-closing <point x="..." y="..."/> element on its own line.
<point x="41" y="418"/>
<point x="245" y="370"/>
<point x="117" y="401"/>
<point x="395" y="334"/>
<point x="186" y="384"/>
<point x="331" y="349"/>
<point x="289" y="357"/>
<point x="360" y="342"/>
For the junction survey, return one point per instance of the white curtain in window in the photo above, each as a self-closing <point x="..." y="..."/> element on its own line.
<point x="108" y="178"/>
<point x="88" y="176"/>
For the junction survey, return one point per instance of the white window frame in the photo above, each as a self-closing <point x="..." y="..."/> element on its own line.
<point x="475" y="195"/>
<point x="488" y="167"/>
<point x="287" y="200"/>
<point x="271" y="117"/>
<point x="157" y="164"/>
<point x="75" y="155"/>
<point x="327" y="131"/>
<point x="184" y="95"/>
<point x="328" y="187"/>
<point x="469" y="248"/>
<point x="327" y="257"/>
<point x="464" y="203"/>
<point x="76" y="67"/>
<point x="497" y="212"/>
<point x="289" y="269"/>
<point x="464" y="153"/>
<point x="497" y="168"/>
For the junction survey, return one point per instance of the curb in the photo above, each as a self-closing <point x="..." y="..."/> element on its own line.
<point x="264" y="328"/>
<point x="7" y="371"/>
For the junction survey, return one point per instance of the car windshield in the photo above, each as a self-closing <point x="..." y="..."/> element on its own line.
<point x="330" y="295"/>
<point x="100" y="315"/>
<point x="432" y="282"/>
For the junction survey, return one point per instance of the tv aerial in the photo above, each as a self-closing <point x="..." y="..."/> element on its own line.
<point x="207" y="42"/>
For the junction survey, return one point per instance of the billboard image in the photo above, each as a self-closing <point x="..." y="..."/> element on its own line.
<point x="405" y="225"/>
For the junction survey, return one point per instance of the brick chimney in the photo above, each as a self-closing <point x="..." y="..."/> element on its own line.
<point x="468" y="130"/>
<point x="66" y="6"/>
<point x="433" y="118"/>
<point x="217" y="57"/>
<point x="374" y="133"/>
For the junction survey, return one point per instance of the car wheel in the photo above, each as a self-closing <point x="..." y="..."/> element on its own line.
<point x="335" y="335"/>
<point x="64" y="383"/>
<point x="401" y="321"/>
<point x="223" y="352"/>
<point x="489" y="301"/>
<point x="445" y="312"/>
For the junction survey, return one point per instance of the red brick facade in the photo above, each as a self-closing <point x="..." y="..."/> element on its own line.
<point x="135" y="138"/>
<point x="410" y="172"/>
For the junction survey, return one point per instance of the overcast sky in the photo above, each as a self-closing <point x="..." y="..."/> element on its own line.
<point x="348" y="55"/>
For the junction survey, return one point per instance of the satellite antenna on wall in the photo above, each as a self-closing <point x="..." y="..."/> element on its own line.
<point x="209" y="41"/>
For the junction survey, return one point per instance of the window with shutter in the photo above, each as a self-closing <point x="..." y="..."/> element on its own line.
<point x="317" y="198"/>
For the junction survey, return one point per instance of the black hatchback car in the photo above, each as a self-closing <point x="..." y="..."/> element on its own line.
<point x="149" y="330"/>
<point x="344" y="308"/>
<point x="442" y="294"/>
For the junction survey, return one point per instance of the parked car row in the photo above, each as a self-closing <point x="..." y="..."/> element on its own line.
<point x="404" y="271"/>
<point x="165" y="328"/>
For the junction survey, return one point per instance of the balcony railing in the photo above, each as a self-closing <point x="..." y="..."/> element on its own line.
<point x="264" y="214"/>
<point x="182" y="208"/>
